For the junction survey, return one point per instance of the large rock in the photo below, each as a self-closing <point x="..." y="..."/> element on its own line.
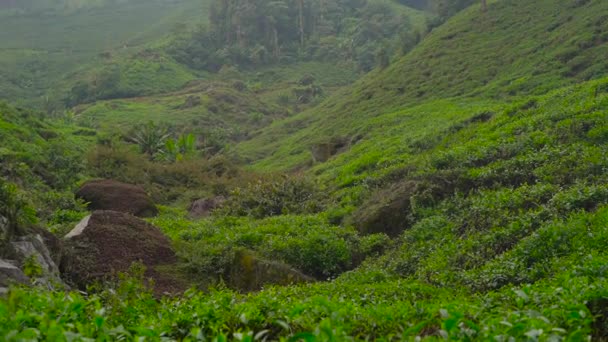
<point x="108" y="242"/>
<point x="117" y="196"/>
<point x="10" y="275"/>
<point x="204" y="207"/>
<point x="33" y="247"/>
<point x="250" y="273"/>
<point x="36" y="255"/>
<point x="391" y="210"/>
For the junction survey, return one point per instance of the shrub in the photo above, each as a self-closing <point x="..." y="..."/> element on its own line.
<point x="305" y="242"/>
<point x="15" y="209"/>
<point x="279" y="195"/>
<point x="151" y="138"/>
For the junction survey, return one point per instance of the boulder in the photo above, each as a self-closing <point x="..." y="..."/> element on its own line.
<point x="250" y="273"/>
<point x="117" y="196"/>
<point x="204" y="207"/>
<point x="33" y="246"/>
<point x="391" y="210"/>
<point x="388" y="211"/>
<point x="108" y="242"/>
<point x="9" y="275"/>
<point x="53" y="244"/>
<point x="31" y="252"/>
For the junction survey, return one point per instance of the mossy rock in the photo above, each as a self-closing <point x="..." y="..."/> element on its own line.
<point x="250" y="273"/>
<point x="391" y="210"/>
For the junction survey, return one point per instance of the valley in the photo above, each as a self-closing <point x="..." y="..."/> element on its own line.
<point x="356" y="170"/>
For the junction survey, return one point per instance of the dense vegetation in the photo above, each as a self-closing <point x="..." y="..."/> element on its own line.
<point x="250" y="34"/>
<point x="457" y="192"/>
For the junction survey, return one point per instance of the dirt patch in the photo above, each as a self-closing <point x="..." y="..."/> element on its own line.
<point x="117" y="196"/>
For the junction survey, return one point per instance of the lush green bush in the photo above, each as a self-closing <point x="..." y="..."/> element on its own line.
<point x="183" y="181"/>
<point x="276" y="195"/>
<point x="308" y="243"/>
<point x="43" y="157"/>
<point x="15" y="209"/>
<point x="561" y="308"/>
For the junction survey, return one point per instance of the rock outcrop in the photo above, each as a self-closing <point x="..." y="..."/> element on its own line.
<point x="10" y="274"/>
<point x="108" y="242"/>
<point x="28" y="259"/>
<point x="33" y="247"/>
<point x="117" y="196"/>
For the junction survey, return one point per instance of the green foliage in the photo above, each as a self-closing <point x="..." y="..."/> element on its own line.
<point x="75" y="42"/>
<point x="190" y="179"/>
<point x="151" y="138"/>
<point x="148" y="72"/>
<point x="40" y="161"/>
<point x="180" y="148"/>
<point x="473" y="61"/>
<point x="31" y="267"/>
<point x="15" y="209"/>
<point x="278" y="195"/>
<point x="474" y="152"/>
<point x="292" y="30"/>
<point x="308" y="243"/>
<point x="321" y="312"/>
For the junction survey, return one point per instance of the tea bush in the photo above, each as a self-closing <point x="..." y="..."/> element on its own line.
<point x="308" y="243"/>
<point x="276" y="195"/>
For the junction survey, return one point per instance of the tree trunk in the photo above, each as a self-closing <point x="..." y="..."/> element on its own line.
<point x="484" y="5"/>
<point x="301" y="10"/>
<point x="277" y="49"/>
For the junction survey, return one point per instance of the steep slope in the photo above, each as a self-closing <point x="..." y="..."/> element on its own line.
<point x="517" y="48"/>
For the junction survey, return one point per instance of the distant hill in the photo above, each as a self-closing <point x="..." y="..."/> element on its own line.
<point x="43" y="42"/>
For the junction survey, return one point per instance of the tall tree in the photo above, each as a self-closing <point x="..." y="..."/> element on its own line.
<point x="301" y="21"/>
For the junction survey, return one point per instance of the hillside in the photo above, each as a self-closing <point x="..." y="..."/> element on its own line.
<point x="43" y="46"/>
<point x="515" y="49"/>
<point x="219" y="86"/>
<point x="458" y="191"/>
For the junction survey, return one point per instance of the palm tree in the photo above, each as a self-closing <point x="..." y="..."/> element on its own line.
<point x="151" y="138"/>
